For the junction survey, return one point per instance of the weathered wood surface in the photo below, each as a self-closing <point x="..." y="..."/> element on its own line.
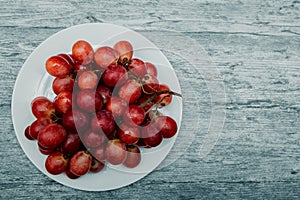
<point x="256" y="47"/>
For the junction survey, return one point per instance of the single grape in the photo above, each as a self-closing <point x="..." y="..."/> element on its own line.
<point x="75" y="120"/>
<point x="87" y="80"/>
<point x="83" y="52"/>
<point x="166" y="125"/>
<point x="45" y="151"/>
<point x="71" y="144"/>
<point x="137" y="66"/>
<point x="133" y="157"/>
<point x="52" y="136"/>
<point x="98" y="152"/>
<point x="27" y="135"/>
<point x="88" y="100"/>
<point x="151" y="69"/>
<point x="69" y="58"/>
<point x="124" y="50"/>
<point x="42" y="107"/>
<point x="117" y="106"/>
<point x="113" y="75"/>
<point x="105" y="56"/>
<point x="151" y="135"/>
<point x="58" y="67"/>
<point x="130" y="91"/>
<point x="80" y="163"/>
<point x="70" y="174"/>
<point x="134" y="115"/>
<point x="115" y="152"/>
<point x="63" y="102"/>
<point x="128" y="134"/>
<point x="103" y="121"/>
<point x="62" y="84"/>
<point x="37" y="126"/>
<point x="56" y="163"/>
<point x="93" y="139"/>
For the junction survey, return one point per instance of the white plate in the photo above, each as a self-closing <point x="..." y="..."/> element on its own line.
<point x="33" y="81"/>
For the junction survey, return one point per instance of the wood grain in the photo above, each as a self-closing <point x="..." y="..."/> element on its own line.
<point x="256" y="47"/>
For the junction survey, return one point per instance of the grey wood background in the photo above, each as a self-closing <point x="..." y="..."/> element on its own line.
<point x="255" y="45"/>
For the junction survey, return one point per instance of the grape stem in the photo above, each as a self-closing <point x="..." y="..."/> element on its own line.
<point x="142" y="86"/>
<point x="157" y="94"/>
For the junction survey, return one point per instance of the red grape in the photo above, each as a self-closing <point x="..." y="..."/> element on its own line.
<point x="98" y="152"/>
<point x="93" y="139"/>
<point x="75" y="120"/>
<point x="62" y="84"/>
<point x="124" y="50"/>
<point x="26" y="133"/>
<point x="163" y="99"/>
<point x="56" y="163"/>
<point x="115" y="152"/>
<point x="103" y="121"/>
<point x="150" y="83"/>
<point x="58" y="67"/>
<point x="105" y="56"/>
<point x="88" y="100"/>
<point x="117" y="106"/>
<point x="137" y="66"/>
<point x="134" y="115"/>
<point x="82" y="52"/>
<point x="68" y="58"/>
<point x="52" y="136"/>
<point x="144" y="103"/>
<point x="130" y="91"/>
<point x="113" y="75"/>
<point x="71" y="144"/>
<point x="87" y="80"/>
<point x="96" y="166"/>
<point x="45" y="151"/>
<point x="63" y="102"/>
<point x="42" y="107"/>
<point x="166" y="125"/>
<point x="141" y="143"/>
<point x="151" y="135"/>
<point x="133" y="158"/>
<point x="70" y="174"/>
<point x="151" y="69"/>
<point x="37" y="126"/>
<point x="104" y="92"/>
<point x="80" y="163"/>
<point x="129" y="134"/>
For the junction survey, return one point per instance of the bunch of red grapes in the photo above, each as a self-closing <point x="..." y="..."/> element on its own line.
<point x="106" y="108"/>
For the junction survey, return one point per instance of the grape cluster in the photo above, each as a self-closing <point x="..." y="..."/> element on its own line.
<point x="105" y="110"/>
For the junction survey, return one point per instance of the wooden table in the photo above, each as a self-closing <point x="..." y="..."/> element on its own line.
<point x="253" y="45"/>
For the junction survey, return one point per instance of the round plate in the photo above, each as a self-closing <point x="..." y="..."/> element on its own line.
<point x="33" y="80"/>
